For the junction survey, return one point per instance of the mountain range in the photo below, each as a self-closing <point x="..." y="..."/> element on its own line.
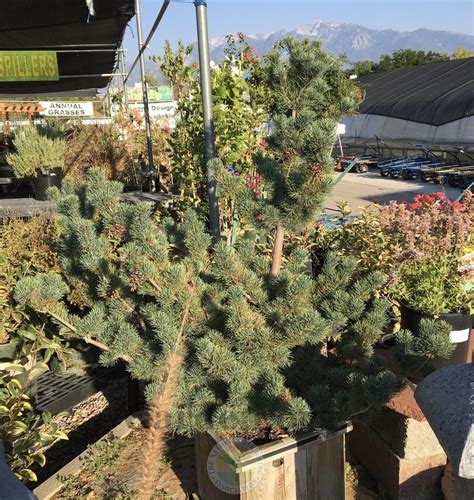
<point x="357" y="42"/>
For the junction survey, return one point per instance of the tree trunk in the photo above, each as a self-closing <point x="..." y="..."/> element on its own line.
<point x="277" y="250"/>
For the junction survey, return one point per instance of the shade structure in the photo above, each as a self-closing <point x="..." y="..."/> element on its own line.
<point x="432" y="103"/>
<point x="434" y="94"/>
<point x="86" y="44"/>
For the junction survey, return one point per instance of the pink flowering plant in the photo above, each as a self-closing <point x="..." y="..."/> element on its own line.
<point x="385" y="236"/>
<point x="420" y="246"/>
<point x="429" y="225"/>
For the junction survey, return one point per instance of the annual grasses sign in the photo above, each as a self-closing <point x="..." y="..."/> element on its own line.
<point x="28" y="65"/>
<point x="68" y="108"/>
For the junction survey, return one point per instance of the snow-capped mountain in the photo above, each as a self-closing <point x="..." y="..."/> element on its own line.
<point x="357" y="42"/>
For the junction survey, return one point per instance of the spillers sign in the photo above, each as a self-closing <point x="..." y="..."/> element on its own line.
<point x="28" y="65"/>
<point x="67" y="108"/>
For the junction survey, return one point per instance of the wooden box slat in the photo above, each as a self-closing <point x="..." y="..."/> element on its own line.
<point x="307" y="468"/>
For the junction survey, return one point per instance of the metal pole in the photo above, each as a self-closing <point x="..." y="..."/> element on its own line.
<point x="206" y="91"/>
<point x="149" y="142"/>
<point x="340" y="144"/>
<point x="149" y="37"/>
<point x="109" y="104"/>
<point x="124" y="85"/>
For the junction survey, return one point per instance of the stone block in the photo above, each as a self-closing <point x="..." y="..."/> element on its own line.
<point x="401" y="478"/>
<point x="447" y="399"/>
<point x="407" y="437"/>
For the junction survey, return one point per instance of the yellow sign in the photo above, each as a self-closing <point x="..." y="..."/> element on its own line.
<point x="28" y="65"/>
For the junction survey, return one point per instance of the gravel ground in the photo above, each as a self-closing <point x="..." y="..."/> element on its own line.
<point x="85" y="424"/>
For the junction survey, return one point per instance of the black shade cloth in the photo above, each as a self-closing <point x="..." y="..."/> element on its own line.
<point x="435" y="93"/>
<point x="65" y="25"/>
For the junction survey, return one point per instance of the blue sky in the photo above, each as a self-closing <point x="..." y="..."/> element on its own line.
<point x="226" y="16"/>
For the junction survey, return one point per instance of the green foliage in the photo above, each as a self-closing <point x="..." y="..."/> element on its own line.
<point x="433" y="286"/>
<point x="415" y="354"/>
<point x="37" y="150"/>
<point x="421" y="246"/>
<point x="26" y="248"/>
<point x="310" y="95"/>
<point x="399" y="59"/>
<point x="136" y="290"/>
<point x="348" y="379"/>
<point x="462" y="53"/>
<point x="24" y="433"/>
<point x="247" y="370"/>
<point x="244" y="338"/>
<point x="239" y="108"/>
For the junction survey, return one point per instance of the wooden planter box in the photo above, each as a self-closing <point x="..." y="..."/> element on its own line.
<point x="309" y="467"/>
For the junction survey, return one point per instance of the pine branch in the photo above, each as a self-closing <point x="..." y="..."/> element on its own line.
<point x="87" y="339"/>
<point x="155" y="285"/>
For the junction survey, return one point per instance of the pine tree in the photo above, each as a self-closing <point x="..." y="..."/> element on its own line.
<point x="311" y="93"/>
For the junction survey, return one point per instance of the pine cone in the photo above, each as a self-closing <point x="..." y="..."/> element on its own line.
<point x="136" y="279"/>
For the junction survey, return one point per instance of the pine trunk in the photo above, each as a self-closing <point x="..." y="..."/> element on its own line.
<point x="277" y="250"/>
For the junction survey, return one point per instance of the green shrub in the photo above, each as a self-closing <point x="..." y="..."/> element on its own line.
<point x="26" y="247"/>
<point x="24" y="433"/>
<point x="433" y="286"/>
<point x="37" y="151"/>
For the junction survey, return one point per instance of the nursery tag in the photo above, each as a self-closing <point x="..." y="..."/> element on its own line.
<point x="28" y="65"/>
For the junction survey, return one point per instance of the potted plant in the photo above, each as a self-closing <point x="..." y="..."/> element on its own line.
<point x="423" y="248"/>
<point x="430" y="277"/>
<point x="434" y="288"/>
<point x="39" y="155"/>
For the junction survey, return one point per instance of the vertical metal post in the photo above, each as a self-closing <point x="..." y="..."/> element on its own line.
<point x="146" y="110"/>
<point x="122" y="70"/>
<point x="109" y="104"/>
<point x="206" y="91"/>
<point x="340" y="144"/>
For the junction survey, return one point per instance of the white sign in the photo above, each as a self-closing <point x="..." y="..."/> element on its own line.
<point x="157" y="109"/>
<point x="67" y="108"/>
<point x="163" y="111"/>
<point x="341" y="128"/>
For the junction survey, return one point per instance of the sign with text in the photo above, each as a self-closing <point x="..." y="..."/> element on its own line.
<point x="155" y="94"/>
<point x="162" y="112"/>
<point x="67" y="108"/>
<point x="28" y="65"/>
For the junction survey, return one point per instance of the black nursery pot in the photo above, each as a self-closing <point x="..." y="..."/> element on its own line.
<point x="42" y="182"/>
<point x="460" y="332"/>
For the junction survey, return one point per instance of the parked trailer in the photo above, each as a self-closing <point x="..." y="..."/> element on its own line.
<point x="396" y="168"/>
<point x="412" y="171"/>
<point x="362" y="164"/>
<point x="455" y="175"/>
